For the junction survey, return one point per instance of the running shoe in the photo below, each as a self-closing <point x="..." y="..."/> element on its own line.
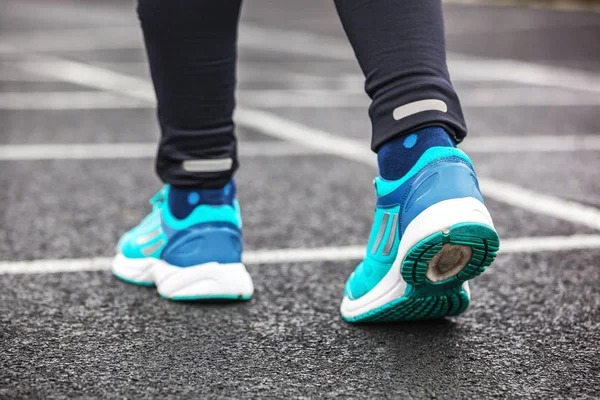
<point x="431" y="234"/>
<point x="194" y="258"/>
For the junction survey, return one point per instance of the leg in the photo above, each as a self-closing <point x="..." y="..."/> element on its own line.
<point x="191" y="47"/>
<point x="431" y="231"/>
<point x="190" y="246"/>
<point x="400" y="47"/>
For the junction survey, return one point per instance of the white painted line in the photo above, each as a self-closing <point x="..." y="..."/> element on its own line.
<point x="130" y="37"/>
<point x="302" y="135"/>
<point x="294" y="42"/>
<point x="283" y="256"/>
<point x="531" y="143"/>
<point x="90" y="151"/>
<point x="84" y="13"/>
<point x="582" y="6"/>
<point x="295" y="98"/>
<point x="54" y="266"/>
<point x="88" y="39"/>
<point x="305" y="98"/>
<point x="541" y="203"/>
<point x="462" y="68"/>
<point x="89" y="100"/>
<point x="353" y="150"/>
<point x="69" y="100"/>
<point x="90" y="76"/>
<point x="526" y="97"/>
<point x="468" y="68"/>
<point x="470" y="98"/>
<point x="247" y="72"/>
<point x="549" y="243"/>
<point x="86" y="151"/>
<point x="8" y="74"/>
<point x="477" y="69"/>
<point x="275" y="126"/>
<point x="76" y="151"/>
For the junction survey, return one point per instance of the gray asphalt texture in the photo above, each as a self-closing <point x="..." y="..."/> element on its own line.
<point x="533" y="330"/>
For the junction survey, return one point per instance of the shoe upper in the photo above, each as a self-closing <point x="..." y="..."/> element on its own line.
<point x="442" y="173"/>
<point x="210" y="233"/>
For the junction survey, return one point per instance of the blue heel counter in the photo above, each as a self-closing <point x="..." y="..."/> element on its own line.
<point x="208" y="242"/>
<point x="444" y="180"/>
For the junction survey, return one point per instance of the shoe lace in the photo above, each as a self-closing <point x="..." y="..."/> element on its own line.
<point x="158" y="199"/>
<point x="156" y="202"/>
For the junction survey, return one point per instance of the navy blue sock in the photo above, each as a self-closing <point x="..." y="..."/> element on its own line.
<point x="182" y="199"/>
<point x="397" y="156"/>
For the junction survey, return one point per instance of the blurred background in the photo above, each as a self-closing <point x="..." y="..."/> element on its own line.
<point x="77" y="140"/>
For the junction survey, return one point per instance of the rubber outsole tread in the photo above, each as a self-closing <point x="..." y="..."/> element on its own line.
<point x="417" y="308"/>
<point x="428" y="300"/>
<point x="482" y="239"/>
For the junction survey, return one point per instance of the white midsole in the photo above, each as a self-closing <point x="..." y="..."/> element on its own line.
<point x="209" y="279"/>
<point x="439" y="217"/>
<point x="138" y="270"/>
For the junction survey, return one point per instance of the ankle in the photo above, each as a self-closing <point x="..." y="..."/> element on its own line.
<point x="184" y="199"/>
<point x="397" y="156"/>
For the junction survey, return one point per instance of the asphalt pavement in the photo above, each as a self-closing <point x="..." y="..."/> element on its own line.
<point x="69" y="329"/>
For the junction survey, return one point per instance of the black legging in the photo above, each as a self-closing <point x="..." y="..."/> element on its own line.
<point x="191" y="47"/>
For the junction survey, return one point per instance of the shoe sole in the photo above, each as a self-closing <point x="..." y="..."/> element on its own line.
<point x="210" y="281"/>
<point x="453" y="257"/>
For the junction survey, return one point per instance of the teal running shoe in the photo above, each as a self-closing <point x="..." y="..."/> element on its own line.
<point x="197" y="257"/>
<point x="431" y="234"/>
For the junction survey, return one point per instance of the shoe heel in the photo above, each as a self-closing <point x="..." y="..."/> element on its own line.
<point x="210" y="281"/>
<point x="459" y="254"/>
<point x="219" y="242"/>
